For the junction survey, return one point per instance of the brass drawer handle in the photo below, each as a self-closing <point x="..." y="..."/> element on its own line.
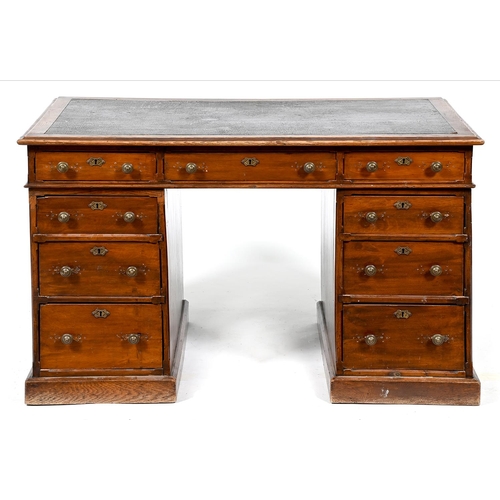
<point x="309" y="167"/>
<point x="129" y="217"/>
<point x="133" y="338"/>
<point x="437" y="217"/>
<point x="67" y="271"/>
<point x="371" y="217"/>
<point x="62" y="167"/>
<point x="63" y="217"/>
<point x="439" y="339"/>
<point x="131" y="271"/>
<point x="372" y="166"/>
<point x="67" y="338"/>
<point x="436" y="166"/>
<point x="191" y="168"/>
<point x="436" y="270"/>
<point x="127" y="168"/>
<point x="370" y="339"/>
<point x="370" y="270"/>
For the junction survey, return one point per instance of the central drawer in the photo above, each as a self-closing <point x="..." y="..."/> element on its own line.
<point x="99" y="268"/>
<point x="414" y="337"/>
<point x="100" y="336"/>
<point x="251" y="166"/>
<point x="403" y="268"/>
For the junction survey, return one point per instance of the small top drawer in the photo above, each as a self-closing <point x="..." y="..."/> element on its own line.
<point x="251" y="167"/>
<point x="420" y="167"/>
<point x="98" y="166"/>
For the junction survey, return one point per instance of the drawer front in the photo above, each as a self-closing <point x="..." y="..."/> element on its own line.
<point x="403" y="268"/>
<point x="94" y="166"/>
<point x="399" y="337"/>
<point x="97" y="214"/>
<point x="99" y="269"/>
<point x="419" y="166"/>
<point x="100" y="336"/>
<point x="394" y="214"/>
<point x="251" y="166"/>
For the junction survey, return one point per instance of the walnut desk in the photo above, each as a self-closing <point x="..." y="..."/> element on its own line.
<point x="109" y="316"/>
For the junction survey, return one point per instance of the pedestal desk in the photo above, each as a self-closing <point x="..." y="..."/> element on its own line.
<point x="109" y="315"/>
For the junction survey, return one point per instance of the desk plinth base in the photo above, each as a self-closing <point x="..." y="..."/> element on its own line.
<point x="394" y="390"/>
<point x="85" y="390"/>
<point x="111" y="389"/>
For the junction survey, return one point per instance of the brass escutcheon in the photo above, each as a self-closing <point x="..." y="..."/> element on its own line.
<point x="403" y="250"/>
<point x="402" y="205"/>
<point x="403" y="160"/>
<point x="97" y="205"/>
<point x="95" y="162"/>
<point x="99" y="251"/>
<point x="100" y="313"/>
<point x="251" y="162"/>
<point x="402" y="314"/>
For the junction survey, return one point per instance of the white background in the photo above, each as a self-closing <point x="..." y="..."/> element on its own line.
<point x="253" y="418"/>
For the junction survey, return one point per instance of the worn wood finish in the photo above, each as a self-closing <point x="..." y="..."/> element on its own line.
<point x="404" y="214"/>
<point x="87" y="213"/>
<point x="143" y="166"/>
<point x="403" y="274"/>
<point x="100" y="275"/>
<point x="261" y="166"/>
<point x="100" y="342"/>
<point x="383" y="216"/>
<point x="416" y="165"/>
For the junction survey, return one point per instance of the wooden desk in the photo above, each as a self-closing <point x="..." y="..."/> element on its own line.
<point x="109" y="315"/>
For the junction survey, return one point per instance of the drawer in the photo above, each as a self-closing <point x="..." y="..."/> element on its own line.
<point x="403" y="268"/>
<point x="418" y="166"/>
<point x="99" y="269"/>
<point x="398" y="337"/>
<point x="94" y="166"/>
<point x="97" y="214"/>
<point x="250" y="167"/>
<point x="403" y="214"/>
<point x="101" y="336"/>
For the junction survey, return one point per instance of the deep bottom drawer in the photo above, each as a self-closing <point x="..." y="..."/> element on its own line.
<point x="102" y="336"/>
<point x="429" y="337"/>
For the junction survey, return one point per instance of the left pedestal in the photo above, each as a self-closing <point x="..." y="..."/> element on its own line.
<point x="109" y="319"/>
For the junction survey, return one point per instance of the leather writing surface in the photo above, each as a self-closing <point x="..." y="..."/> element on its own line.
<point x="137" y="117"/>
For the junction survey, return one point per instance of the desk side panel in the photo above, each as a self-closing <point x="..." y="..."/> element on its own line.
<point x="328" y="270"/>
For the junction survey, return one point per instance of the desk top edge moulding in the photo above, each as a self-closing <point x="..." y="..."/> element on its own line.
<point x="109" y="314"/>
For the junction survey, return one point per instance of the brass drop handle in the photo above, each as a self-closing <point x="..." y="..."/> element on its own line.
<point x="309" y="167"/>
<point x="191" y="168"/>
<point x="67" y="338"/>
<point x="371" y="217"/>
<point x="129" y="217"/>
<point x="370" y="270"/>
<point x="436" y="270"/>
<point x="436" y="166"/>
<point x="127" y="168"/>
<point x="63" y="217"/>
<point x="131" y="271"/>
<point x="439" y="339"/>
<point x="370" y="339"/>
<point x="67" y="271"/>
<point x="62" y="167"/>
<point x="372" y="166"/>
<point x="437" y="217"/>
<point x="133" y="338"/>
